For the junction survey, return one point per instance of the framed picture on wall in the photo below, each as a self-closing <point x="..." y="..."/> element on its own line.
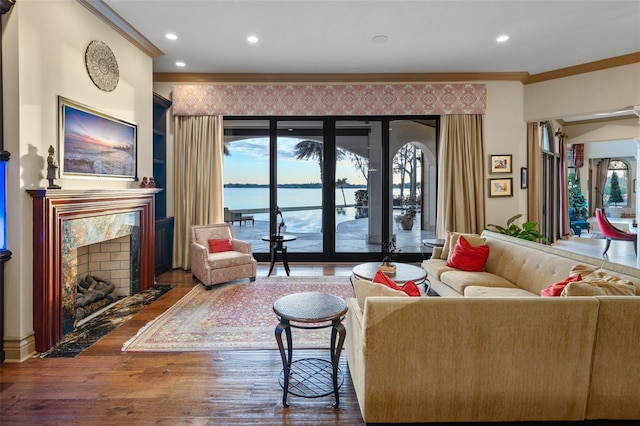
<point x="500" y="163"/>
<point x="501" y="187"/>
<point x="93" y="144"/>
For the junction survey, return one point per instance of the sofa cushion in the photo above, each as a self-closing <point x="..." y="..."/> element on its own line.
<point x="435" y="267"/>
<point x="409" y="287"/>
<point x="479" y="291"/>
<point x="218" y="245"/>
<point x="459" y="280"/>
<point x="556" y="289"/>
<point x="467" y="257"/>
<point x="228" y="259"/>
<point x="452" y="238"/>
<point x="365" y="288"/>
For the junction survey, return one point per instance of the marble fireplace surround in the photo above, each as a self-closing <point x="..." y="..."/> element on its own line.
<point x="65" y="219"/>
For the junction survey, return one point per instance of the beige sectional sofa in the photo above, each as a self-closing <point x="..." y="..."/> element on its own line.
<point x="505" y="355"/>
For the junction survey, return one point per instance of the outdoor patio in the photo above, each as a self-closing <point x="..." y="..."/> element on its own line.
<point x="350" y="238"/>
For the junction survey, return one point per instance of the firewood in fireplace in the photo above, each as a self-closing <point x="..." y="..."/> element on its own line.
<point x="93" y="293"/>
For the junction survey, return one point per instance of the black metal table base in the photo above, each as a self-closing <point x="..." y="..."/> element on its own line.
<point x="311" y="378"/>
<point x="279" y="248"/>
<point x="338" y="333"/>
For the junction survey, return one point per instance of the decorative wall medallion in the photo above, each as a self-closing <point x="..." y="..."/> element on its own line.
<point x="102" y="66"/>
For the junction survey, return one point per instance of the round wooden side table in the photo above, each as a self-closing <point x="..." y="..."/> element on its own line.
<point x="310" y="377"/>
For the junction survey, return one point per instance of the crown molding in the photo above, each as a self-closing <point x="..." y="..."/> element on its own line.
<point x="334" y="78"/>
<point x="603" y="64"/>
<point x="115" y="21"/>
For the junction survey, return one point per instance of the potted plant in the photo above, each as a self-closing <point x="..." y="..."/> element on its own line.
<point x="406" y="219"/>
<point x="526" y="232"/>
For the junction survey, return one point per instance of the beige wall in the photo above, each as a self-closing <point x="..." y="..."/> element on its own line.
<point x="43" y="58"/>
<point x="612" y="130"/>
<point x="599" y="91"/>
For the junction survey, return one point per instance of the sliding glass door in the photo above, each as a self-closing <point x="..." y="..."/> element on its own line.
<point x="299" y="183"/>
<point x="342" y="185"/>
<point x="358" y="189"/>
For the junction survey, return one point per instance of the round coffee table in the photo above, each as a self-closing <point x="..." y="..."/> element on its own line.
<point x="310" y="377"/>
<point x="404" y="272"/>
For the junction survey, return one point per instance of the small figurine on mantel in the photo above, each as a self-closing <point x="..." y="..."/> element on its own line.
<point x="144" y="183"/>
<point x="52" y="169"/>
<point x="152" y="182"/>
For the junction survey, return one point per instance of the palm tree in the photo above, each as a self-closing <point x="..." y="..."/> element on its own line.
<point x="308" y="149"/>
<point x="341" y="183"/>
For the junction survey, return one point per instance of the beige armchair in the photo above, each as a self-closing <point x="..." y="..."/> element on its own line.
<point x="211" y="266"/>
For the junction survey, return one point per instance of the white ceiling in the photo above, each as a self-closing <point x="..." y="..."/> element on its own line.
<point x="429" y="36"/>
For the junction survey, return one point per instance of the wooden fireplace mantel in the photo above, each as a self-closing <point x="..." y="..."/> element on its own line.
<point x="51" y="207"/>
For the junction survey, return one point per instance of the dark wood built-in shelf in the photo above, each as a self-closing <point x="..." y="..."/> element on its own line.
<point x="164" y="224"/>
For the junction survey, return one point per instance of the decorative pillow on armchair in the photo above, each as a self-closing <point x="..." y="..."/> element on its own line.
<point x="217" y="246"/>
<point x="467" y="257"/>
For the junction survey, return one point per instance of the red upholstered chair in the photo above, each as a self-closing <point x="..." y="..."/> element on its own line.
<point x="610" y="232"/>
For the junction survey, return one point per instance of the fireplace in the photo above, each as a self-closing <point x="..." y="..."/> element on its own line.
<point x="92" y="248"/>
<point x="66" y="220"/>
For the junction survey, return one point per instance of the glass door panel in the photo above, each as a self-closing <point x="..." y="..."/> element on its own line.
<point x="246" y="178"/>
<point x="358" y="192"/>
<point x="300" y="179"/>
<point x="413" y="165"/>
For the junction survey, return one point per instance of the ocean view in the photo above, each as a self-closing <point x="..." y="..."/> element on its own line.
<point x="305" y="220"/>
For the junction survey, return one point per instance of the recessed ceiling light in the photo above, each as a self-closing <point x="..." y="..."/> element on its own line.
<point x="502" y="38"/>
<point x="379" y="39"/>
<point x="252" y="39"/>
<point x="180" y="64"/>
<point x="171" y="36"/>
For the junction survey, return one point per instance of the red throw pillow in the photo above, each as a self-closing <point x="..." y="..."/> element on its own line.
<point x="216" y="246"/>
<point x="468" y="258"/>
<point x="382" y="278"/>
<point x="555" y="290"/>
<point x="409" y="287"/>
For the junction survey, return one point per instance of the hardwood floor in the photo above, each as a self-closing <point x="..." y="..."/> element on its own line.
<point x="102" y="386"/>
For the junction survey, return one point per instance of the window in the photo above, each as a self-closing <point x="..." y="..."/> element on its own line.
<point x="616" y="188"/>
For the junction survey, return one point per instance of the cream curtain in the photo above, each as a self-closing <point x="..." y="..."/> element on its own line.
<point x="198" y="179"/>
<point x="461" y="175"/>
<point x="534" y="169"/>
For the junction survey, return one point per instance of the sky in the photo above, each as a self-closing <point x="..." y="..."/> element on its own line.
<point x="97" y="130"/>
<point x="249" y="163"/>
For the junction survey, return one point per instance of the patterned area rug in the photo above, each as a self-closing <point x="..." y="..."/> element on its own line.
<point x="234" y="316"/>
<point x="96" y="328"/>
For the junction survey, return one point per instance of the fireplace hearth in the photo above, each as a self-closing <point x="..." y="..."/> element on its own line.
<point x="63" y="221"/>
